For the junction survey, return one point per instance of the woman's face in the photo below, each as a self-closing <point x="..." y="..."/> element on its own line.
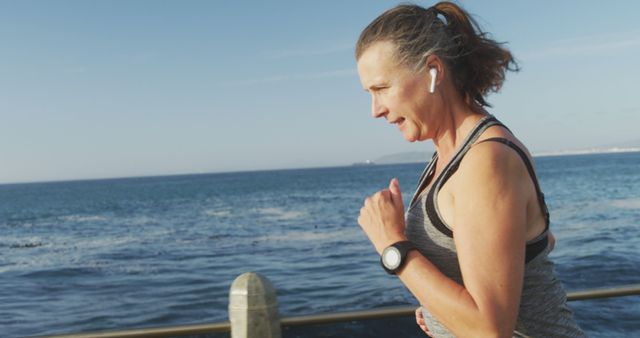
<point x="398" y="94"/>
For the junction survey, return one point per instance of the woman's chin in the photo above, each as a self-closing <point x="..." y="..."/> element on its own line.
<point x="410" y="138"/>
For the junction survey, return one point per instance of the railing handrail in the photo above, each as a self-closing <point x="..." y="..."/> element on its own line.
<point x="327" y="318"/>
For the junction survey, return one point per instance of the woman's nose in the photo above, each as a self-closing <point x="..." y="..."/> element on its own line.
<point x="377" y="109"/>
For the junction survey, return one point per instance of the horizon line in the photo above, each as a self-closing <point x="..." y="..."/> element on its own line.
<point x="592" y="151"/>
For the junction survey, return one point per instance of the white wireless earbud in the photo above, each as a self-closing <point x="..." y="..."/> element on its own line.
<point x="434" y="73"/>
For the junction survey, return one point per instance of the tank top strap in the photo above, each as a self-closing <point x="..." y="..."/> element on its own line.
<point x="424" y="177"/>
<point x="451" y="168"/>
<point x="477" y="130"/>
<point x="533" y="247"/>
<point x="532" y="173"/>
<point x="484" y="124"/>
<point x="536" y="245"/>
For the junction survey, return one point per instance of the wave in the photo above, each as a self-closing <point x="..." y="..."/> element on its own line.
<point x="134" y="220"/>
<point x="311" y="235"/>
<point x="217" y="213"/>
<point x="83" y="218"/>
<point x="69" y="251"/>
<point x="628" y="203"/>
<point x="139" y="220"/>
<point x="281" y="214"/>
<point x="27" y="245"/>
<point x="19" y="242"/>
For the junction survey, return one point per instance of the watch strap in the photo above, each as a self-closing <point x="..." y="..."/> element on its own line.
<point x="403" y="248"/>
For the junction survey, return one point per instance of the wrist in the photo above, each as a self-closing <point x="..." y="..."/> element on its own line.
<point x="394" y="257"/>
<point x="389" y="242"/>
<point x="407" y="260"/>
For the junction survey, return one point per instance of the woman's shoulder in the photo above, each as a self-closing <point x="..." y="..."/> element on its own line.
<point x="500" y="132"/>
<point x="493" y="158"/>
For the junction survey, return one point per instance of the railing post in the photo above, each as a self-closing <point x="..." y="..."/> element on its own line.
<point x="253" y="307"/>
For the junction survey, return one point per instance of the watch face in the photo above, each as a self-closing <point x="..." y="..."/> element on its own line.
<point x="391" y="258"/>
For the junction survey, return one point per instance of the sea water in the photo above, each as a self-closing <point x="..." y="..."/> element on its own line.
<point x="143" y="252"/>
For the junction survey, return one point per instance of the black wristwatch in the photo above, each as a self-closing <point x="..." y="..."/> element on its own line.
<point x="393" y="257"/>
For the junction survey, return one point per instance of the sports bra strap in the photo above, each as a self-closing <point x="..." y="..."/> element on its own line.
<point x="532" y="173"/>
<point x="534" y="246"/>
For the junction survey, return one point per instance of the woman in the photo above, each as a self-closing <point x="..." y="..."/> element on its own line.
<point x="473" y="248"/>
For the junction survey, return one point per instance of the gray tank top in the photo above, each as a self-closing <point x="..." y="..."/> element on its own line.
<point x="543" y="310"/>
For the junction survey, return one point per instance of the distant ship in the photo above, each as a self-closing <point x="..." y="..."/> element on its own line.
<point x="367" y="162"/>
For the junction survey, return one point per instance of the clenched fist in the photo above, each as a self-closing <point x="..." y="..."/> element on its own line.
<point x="382" y="217"/>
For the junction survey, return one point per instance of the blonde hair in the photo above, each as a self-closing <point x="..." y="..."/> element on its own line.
<point x="476" y="63"/>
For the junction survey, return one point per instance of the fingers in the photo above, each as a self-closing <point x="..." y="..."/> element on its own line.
<point x="421" y="323"/>
<point x="381" y="197"/>
<point x="392" y="194"/>
<point x="375" y="206"/>
<point x="384" y="195"/>
<point x="396" y="194"/>
<point x="394" y="186"/>
<point x="368" y="204"/>
<point x="361" y="216"/>
<point x="552" y="240"/>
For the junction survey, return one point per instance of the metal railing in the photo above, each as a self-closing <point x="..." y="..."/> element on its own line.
<point x="387" y="312"/>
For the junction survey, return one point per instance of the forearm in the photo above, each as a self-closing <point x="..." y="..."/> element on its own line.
<point x="447" y="300"/>
<point x="488" y="306"/>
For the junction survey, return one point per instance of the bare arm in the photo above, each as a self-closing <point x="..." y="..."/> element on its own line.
<point x="490" y="229"/>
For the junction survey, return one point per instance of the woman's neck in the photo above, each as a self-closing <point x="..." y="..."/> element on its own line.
<point x="458" y="121"/>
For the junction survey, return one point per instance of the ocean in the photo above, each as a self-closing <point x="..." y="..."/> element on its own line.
<point x="155" y="251"/>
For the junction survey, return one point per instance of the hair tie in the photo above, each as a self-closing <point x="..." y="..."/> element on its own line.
<point x="438" y="14"/>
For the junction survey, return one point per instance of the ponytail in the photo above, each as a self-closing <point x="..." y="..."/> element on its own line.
<point x="480" y="64"/>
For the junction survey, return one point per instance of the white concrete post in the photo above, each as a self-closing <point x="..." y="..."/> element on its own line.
<point x="253" y="308"/>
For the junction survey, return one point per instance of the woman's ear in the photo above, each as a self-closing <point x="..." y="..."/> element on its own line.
<point x="433" y="64"/>
<point x="434" y="76"/>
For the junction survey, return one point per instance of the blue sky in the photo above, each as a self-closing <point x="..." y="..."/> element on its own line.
<point x="94" y="89"/>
